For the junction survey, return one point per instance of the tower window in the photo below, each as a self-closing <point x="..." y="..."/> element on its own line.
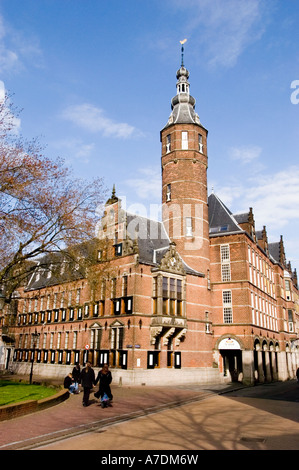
<point x="200" y="144"/>
<point x="188" y="226"/>
<point x="168" y="143"/>
<point x="168" y="193"/>
<point x="184" y="140"/>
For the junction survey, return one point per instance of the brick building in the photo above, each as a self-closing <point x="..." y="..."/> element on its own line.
<point x="199" y="297"/>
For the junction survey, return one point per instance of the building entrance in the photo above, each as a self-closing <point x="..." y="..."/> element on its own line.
<point x="232" y="358"/>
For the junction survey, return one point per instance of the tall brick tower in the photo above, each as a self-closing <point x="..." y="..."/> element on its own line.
<point x="184" y="177"/>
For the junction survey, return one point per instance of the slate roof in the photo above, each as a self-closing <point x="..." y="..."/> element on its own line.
<point x="221" y="219"/>
<point x="153" y="241"/>
<point x="153" y="244"/>
<point x="183" y="104"/>
<point x="49" y="268"/>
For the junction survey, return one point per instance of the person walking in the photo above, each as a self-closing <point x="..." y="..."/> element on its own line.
<point x="104" y="378"/>
<point x="76" y="376"/>
<point x="87" y="380"/>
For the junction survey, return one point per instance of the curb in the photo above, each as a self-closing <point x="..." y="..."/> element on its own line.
<point x="31" y="406"/>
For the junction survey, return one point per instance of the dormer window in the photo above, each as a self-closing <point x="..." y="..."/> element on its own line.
<point x="118" y="249"/>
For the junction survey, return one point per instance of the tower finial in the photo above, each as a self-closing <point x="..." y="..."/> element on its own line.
<point x="182" y="50"/>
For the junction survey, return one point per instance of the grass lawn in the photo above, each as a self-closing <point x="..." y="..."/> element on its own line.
<point x="13" y="392"/>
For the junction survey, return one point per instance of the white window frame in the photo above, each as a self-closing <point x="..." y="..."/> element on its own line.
<point x="227" y="306"/>
<point x="184" y="140"/>
<point x="225" y="263"/>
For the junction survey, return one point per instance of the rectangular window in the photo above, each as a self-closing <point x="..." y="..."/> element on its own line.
<point x="117" y="338"/>
<point x="75" y="337"/>
<point x="116" y="307"/>
<point x="184" y="140"/>
<point x="168" y="193"/>
<point x="118" y="249"/>
<point x="96" y="309"/>
<point x="168" y="143"/>
<point x="66" y="340"/>
<point x="58" y="340"/>
<point x="227" y="297"/>
<point x="172" y="296"/>
<point x="225" y="263"/>
<point x="44" y="341"/>
<point x="179" y="289"/>
<point x="153" y="359"/>
<point x="172" y="284"/>
<point x="227" y="306"/>
<point x="55" y="300"/>
<point x="188" y="227"/>
<point x="200" y="144"/>
<point x="224" y="249"/>
<point x="71" y="314"/>
<point x="227" y="315"/>
<point x="225" y="272"/>
<point x="177" y="360"/>
<point x="80" y="313"/>
<point x="62" y="300"/>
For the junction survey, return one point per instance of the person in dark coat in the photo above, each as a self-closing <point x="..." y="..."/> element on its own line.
<point x="105" y="378"/>
<point x="76" y="376"/>
<point x="87" y="380"/>
<point x="69" y="383"/>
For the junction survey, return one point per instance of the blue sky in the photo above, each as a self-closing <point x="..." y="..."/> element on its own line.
<point x="95" y="81"/>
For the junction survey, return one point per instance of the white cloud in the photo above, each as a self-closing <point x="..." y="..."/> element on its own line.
<point x="75" y="148"/>
<point x="245" y="154"/>
<point x="224" y="28"/>
<point x="273" y="197"/>
<point x="148" y="185"/>
<point x="93" y="119"/>
<point x="17" y="48"/>
<point x="276" y="197"/>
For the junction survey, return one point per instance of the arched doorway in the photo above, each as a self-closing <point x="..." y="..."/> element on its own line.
<point x="231" y="353"/>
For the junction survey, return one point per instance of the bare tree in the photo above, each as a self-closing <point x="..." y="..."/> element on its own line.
<point x="43" y="208"/>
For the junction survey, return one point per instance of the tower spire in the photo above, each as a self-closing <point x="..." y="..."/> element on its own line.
<point x="182" y="51"/>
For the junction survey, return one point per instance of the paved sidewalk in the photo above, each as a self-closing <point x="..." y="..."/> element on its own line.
<point x="71" y="418"/>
